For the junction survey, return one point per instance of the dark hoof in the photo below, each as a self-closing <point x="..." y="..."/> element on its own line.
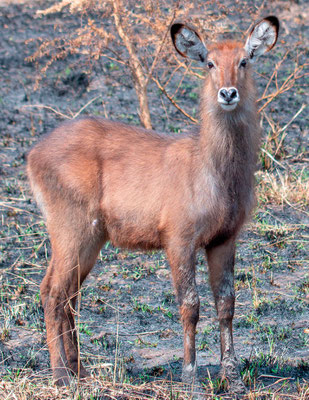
<point x="194" y="390"/>
<point x="188" y="375"/>
<point x="62" y="377"/>
<point x="191" y="384"/>
<point x="230" y="372"/>
<point x="237" y="388"/>
<point x="83" y="373"/>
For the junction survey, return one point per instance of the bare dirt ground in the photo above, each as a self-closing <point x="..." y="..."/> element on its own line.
<point x="129" y="325"/>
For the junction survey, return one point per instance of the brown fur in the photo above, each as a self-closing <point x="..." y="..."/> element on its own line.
<point x="98" y="180"/>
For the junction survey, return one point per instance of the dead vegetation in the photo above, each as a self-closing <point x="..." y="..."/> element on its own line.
<point x="136" y="38"/>
<point x="272" y="274"/>
<point x="39" y="388"/>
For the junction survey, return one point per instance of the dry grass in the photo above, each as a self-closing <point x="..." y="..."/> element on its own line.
<point x="38" y="388"/>
<point x="32" y="387"/>
<point x="283" y="188"/>
<point x="277" y="184"/>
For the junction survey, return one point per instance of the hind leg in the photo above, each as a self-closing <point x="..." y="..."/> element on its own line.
<point x="74" y="254"/>
<point x="87" y="258"/>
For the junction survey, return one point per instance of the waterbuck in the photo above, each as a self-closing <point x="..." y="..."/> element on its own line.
<point x="97" y="180"/>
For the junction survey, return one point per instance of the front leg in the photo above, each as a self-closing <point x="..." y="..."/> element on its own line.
<point x="182" y="262"/>
<point x="221" y="260"/>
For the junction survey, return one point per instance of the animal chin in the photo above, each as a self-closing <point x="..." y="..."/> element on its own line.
<point x="228" y="107"/>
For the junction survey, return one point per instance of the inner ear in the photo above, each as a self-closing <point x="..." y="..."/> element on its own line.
<point x="263" y="37"/>
<point x="188" y="42"/>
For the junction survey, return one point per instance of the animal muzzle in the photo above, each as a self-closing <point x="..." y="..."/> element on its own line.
<point x="228" y="98"/>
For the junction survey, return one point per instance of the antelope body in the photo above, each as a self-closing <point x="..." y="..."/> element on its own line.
<point x="98" y="180"/>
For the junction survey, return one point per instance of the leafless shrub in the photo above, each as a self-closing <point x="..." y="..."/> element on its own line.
<point x="135" y="35"/>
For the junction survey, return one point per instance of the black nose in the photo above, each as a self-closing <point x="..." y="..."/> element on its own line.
<point x="233" y="93"/>
<point x="223" y="93"/>
<point x="228" y="94"/>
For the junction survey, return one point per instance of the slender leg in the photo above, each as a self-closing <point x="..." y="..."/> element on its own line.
<point x="53" y="296"/>
<point x="87" y="258"/>
<point x="70" y="337"/>
<point x="182" y="264"/>
<point x="221" y="260"/>
<point x="73" y="258"/>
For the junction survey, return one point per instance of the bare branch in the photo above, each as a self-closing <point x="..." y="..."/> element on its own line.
<point x="140" y="80"/>
<point x="46" y="108"/>
<point x="173" y="101"/>
<point x="162" y="43"/>
<point x="286" y="85"/>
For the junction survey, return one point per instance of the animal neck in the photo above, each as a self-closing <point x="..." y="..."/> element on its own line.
<point x="229" y="141"/>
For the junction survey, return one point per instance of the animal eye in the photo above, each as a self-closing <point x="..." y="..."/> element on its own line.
<point x="210" y="64"/>
<point x="243" y="63"/>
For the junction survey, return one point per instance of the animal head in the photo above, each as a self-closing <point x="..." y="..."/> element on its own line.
<point x="228" y="62"/>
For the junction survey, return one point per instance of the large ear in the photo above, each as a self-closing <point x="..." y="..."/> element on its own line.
<point x="188" y="42"/>
<point x="262" y="38"/>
